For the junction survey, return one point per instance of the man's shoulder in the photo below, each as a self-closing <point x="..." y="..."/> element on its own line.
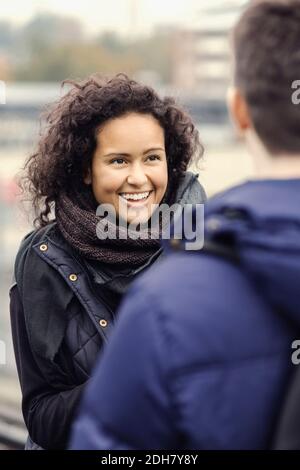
<point x="200" y="289"/>
<point x="184" y="270"/>
<point x="206" y="308"/>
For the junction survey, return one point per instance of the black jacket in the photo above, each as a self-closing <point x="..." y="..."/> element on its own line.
<point x="62" y="311"/>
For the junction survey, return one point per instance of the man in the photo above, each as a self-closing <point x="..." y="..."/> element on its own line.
<point x="201" y="356"/>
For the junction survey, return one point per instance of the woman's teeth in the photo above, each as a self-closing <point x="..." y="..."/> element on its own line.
<point x="136" y="196"/>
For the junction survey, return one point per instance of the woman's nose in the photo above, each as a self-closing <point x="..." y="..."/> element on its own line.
<point x="137" y="176"/>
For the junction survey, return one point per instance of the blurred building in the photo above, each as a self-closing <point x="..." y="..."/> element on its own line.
<point x="19" y="116"/>
<point x="201" y="59"/>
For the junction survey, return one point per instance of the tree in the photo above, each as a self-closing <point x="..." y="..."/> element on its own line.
<point x="47" y="30"/>
<point x="75" y="61"/>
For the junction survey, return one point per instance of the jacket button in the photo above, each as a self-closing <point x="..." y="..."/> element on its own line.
<point x="103" y="323"/>
<point x="73" y="277"/>
<point x="43" y="247"/>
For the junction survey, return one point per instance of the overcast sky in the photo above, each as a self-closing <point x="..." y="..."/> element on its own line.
<point x="99" y="15"/>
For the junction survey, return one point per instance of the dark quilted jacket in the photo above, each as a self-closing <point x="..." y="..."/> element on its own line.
<point x="60" y="322"/>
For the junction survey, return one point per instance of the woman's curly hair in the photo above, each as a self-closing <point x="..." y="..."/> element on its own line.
<point x="68" y="140"/>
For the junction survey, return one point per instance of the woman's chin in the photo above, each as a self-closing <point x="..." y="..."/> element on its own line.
<point x="134" y="218"/>
<point x="140" y="219"/>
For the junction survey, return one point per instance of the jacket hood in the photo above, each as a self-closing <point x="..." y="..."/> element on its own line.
<point x="190" y="190"/>
<point x="261" y="221"/>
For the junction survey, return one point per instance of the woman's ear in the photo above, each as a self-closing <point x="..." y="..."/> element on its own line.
<point x="238" y="109"/>
<point x="88" y="177"/>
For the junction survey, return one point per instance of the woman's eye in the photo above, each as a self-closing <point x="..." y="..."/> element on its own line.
<point x="118" y="161"/>
<point x="152" y="158"/>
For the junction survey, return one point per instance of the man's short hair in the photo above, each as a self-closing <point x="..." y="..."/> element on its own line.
<point x="266" y="42"/>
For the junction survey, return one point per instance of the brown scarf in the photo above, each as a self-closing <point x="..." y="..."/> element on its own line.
<point x="77" y="220"/>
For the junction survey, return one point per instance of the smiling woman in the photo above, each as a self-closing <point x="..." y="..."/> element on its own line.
<point x="107" y="141"/>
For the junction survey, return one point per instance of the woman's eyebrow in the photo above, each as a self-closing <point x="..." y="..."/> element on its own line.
<point x="122" y="154"/>
<point x="117" y="154"/>
<point x="154" y="149"/>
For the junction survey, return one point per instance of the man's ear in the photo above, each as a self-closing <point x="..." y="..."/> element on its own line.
<point x="238" y="109"/>
<point x="88" y="177"/>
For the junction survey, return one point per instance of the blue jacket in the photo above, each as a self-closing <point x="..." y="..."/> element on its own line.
<point x="201" y="354"/>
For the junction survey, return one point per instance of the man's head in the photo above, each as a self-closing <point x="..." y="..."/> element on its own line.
<point x="266" y="48"/>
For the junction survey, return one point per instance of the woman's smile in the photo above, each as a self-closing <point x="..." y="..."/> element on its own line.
<point x="136" y="197"/>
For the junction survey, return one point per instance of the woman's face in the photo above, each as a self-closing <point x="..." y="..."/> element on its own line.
<point x="129" y="166"/>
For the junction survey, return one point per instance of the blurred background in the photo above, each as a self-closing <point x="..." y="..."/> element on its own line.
<point x="181" y="47"/>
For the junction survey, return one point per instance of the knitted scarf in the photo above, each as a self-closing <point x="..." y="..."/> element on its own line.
<point x="77" y="220"/>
